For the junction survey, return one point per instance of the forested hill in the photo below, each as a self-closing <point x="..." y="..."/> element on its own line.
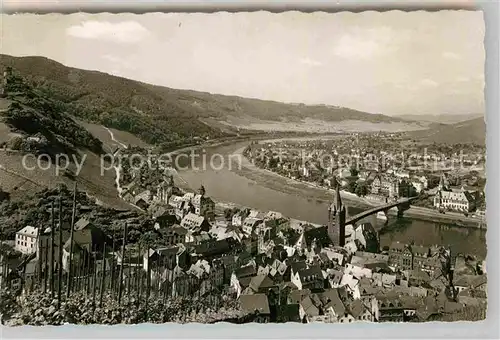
<point x="29" y="112"/>
<point x="159" y="114"/>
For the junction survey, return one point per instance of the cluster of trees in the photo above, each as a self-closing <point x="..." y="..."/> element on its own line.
<point x="36" y="114"/>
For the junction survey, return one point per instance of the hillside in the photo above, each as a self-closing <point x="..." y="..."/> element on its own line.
<point x="163" y="115"/>
<point x="470" y="131"/>
<point x="441" y="119"/>
<point x="32" y="122"/>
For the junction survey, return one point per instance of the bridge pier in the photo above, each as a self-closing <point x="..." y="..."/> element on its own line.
<point x="402" y="208"/>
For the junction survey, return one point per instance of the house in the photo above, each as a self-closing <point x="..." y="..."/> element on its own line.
<point x="359" y="312"/>
<point x="384" y="280"/>
<point x="455" y="199"/>
<point x="401" y="256"/>
<point x="357" y="271"/>
<point x="257" y="305"/>
<point x="166" y="257"/>
<point x="418" y="185"/>
<point x="332" y="304"/>
<point x="250" y="223"/>
<point x="309" y="307"/>
<point x="350" y="284"/>
<point x="363" y="259"/>
<point x="238" y="218"/>
<point x="334" y="277"/>
<point x="210" y="249"/>
<point x="13" y="281"/>
<point x="165" y="189"/>
<point x="273" y="215"/>
<point x="160" y="210"/>
<point x="390" y="310"/>
<point x="195" y="222"/>
<point x="182" y="205"/>
<point x="387" y="186"/>
<point x="309" y="278"/>
<point x="27" y="240"/>
<point x="464" y="282"/>
<point x="229" y="265"/>
<point x="143" y="200"/>
<point x="261" y="283"/>
<point x="418" y="277"/>
<point x="165" y="221"/>
<point x="204" y="206"/>
<point x="175" y="235"/>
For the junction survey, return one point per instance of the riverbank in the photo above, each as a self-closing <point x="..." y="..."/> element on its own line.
<point x="420" y="213"/>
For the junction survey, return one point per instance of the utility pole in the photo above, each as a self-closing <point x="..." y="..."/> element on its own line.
<point x="73" y="216"/>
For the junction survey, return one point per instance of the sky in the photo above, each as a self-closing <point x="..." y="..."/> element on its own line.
<point x="393" y="63"/>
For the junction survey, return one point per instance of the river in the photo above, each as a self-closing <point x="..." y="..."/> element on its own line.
<point x="228" y="178"/>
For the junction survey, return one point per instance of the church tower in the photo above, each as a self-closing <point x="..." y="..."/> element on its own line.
<point x="202" y="191"/>
<point x="337" y="210"/>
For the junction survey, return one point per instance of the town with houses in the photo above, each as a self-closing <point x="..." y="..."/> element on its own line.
<point x="385" y="166"/>
<point x="275" y="269"/>
<point x="178" y="255"/>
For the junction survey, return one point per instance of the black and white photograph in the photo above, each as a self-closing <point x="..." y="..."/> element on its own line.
<point x="244" y="167"/>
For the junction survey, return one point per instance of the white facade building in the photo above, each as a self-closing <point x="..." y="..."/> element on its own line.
<point x="27" y="240"/>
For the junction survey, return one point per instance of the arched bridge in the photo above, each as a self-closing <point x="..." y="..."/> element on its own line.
<point x="402" y="205"/>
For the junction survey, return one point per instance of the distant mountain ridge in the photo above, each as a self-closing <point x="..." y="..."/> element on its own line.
<point x="441" y="119"/>
<point x="469" y="131"/>
<point x="161" y="115"/>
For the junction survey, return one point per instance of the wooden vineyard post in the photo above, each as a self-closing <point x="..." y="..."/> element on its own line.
<point x="138" y="272"/>
<point x="87" y="272"/>
<point x="148" y="282"/>
<point x="103" y="274"/>
<point x="73" y="216"/>
<point x="39" y="256"/>
<point x="59" y="260"/>
<point x="52" y="232"/>
<point x="94" y="286"/>
<point x="129" y="266"/>
<point x="120" y="283"/>
<point x="45" y="266"/>
<point x="112" y="269"/>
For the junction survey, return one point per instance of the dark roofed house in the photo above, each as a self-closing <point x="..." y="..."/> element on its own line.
<point x="418" y="277"/>
<point x="212" y="249"/>
<point x="261" y="283"/>
<point x="331" y="301"/>
<point x="296" y="296"/>
<point x="245" y="271"/>
<point x="309" y="308"/>
<point x="318" y="235"/>
<point x="83" y="224"/>
<point x="257" y="305"/>
<point x="310" y="278"/>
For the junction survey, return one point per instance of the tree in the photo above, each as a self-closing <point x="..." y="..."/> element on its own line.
<point x="406" y="189"/>
<point x="351" y="186"/>
<point x="354" y="171"/>
<point x="361" y="190"/>
<point x="273" y="163"/>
